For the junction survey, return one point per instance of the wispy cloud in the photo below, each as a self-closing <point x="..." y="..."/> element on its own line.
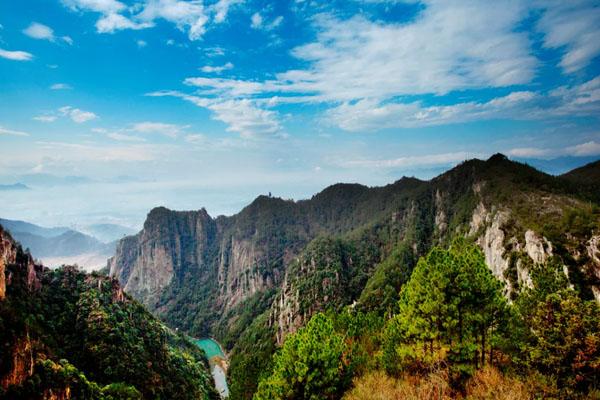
<point x="61" y="86"/>
<point x="369" y="114"/>
<point x="586" y="149"/>
<point x="217" y="69"/>
<point x="412" y="161"/>
<point x="16" y="55"/>
<point x="573" y="27"/>
<point x="43" y="32"/>
<point x="77" y="115"/>
<point x="45" y="118"/>
<point x="188" y="16"/>
<point x="256" y="20"/>
<point x="242" y="116"/>
<point x="221" y="8"/>
<point x="5" y="131"/>
<point x="170" y="130"/>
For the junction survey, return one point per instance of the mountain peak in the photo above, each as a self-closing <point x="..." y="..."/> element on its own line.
<point x="496" y="158"/>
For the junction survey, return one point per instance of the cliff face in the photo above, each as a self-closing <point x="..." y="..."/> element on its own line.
<point x="11" y="253"/>
<point x="194" y="270"/>
<point x="16" y="268"/>
<point x="169" y="244"/>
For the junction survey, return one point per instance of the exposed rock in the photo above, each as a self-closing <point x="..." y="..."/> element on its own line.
<point x="479" y="219"/>
<point x="147" y="262"/>
<point x="11" y="253"/>
<point x="441" y="221"/>
<point x="538" y="248"/>
<point x="21" y="363"/>
<point x="492" y="240"/>
<point x="593" y="252"/>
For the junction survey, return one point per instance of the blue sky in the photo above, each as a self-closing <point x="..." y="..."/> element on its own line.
<point x="111" y="107"/>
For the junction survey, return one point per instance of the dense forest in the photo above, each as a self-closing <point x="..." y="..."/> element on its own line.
<point x="452" y="334"/>
<point x="405" y="285"/>
<point x="65" y="334"/>
<point x="482" y="283"/>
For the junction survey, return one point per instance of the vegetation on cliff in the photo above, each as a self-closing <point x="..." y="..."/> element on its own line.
<point x="75" y="335"/>
<point x="255" y="277"/>
<point x="452" y="335"/>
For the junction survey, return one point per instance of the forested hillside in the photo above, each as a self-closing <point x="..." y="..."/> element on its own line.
<point x="256" y="277"/>
<point x="65" y="334"/>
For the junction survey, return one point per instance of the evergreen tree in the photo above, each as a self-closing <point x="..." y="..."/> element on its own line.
<point x="310" y="365"/>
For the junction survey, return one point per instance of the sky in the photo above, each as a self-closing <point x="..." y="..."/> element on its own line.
<point x="111" y="107"/>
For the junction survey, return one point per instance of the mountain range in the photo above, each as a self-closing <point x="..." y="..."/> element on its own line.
<point x="61" y="245"/>
<point x="253" y="278"/>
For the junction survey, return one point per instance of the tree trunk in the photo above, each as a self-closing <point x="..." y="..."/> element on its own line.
<point x="483" y="347"/>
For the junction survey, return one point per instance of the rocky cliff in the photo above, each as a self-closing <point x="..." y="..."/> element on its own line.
<point x="252" y="278"/>
<point x="196" y="271"/>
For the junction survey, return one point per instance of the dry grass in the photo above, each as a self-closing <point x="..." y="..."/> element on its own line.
<point x="486" y="384"/>
<point x="489" y="383"/>
<point x="379" y="386"/>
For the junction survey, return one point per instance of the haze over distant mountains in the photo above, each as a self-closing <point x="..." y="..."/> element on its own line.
<point x="61" y="245"/>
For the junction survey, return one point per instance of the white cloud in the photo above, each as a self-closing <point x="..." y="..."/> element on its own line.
<point x="141" y="43"/>
<point x="77" y="115"/>
<point x="188" y="16"/>
<point x="16" y="55"/>
<point x="196" y="138"/>
<point x="5" y="131"/>
<point x="583" y="99"/>
<point x="221" y="8"/>
<point x="104" y="153"/>
<point x="229" y="87"/>
<point x="437" y="53"/>
<point x="61" y="86"/>
<point x="113" y="22"/>
<point x="170" y="130"/>
<point x="369" y="114"/>
<point x="101" y="6"/>
<point x="530" y="152"/>
<point x="574" y="27"/>
<point x="241" y="115"/>
<point x="39" y="31"/>
<point x="124" y="138"/>
<point x="216" y="69"/>
<point x="413" y="161"/>
<point x="590" y="148"/>
<point x="276" y="22"/>
<point x="45" y="118"/>
<point x="256" y="21"/>
<point x="43" y="32"/>
<point x="586" y="149"/>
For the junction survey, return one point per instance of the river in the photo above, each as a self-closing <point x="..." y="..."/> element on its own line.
<point x="218" y="363"/>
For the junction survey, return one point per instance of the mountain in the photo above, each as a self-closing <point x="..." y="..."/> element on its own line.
<point x="586" y="175"/>
<point x="26" y="227"/>
<point x="14" y="186"/>
<point x="252" y="278"/>
<point x="57" y="246"/>
<point x="107" y="232"/>
<point x="65" y="334"/>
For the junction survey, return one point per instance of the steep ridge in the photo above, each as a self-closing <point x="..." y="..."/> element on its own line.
<point x="65" y="334"/>
<point x="270" y="267"/>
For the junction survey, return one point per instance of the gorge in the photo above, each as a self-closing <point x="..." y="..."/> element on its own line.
<point x="252" y="278"/>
